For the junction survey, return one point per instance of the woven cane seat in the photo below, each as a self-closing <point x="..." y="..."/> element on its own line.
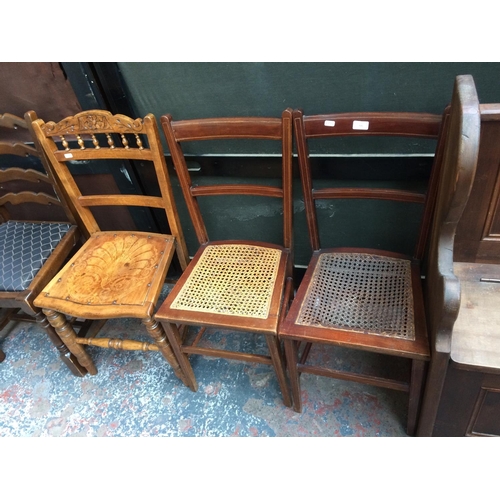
<point x="361" y="292"/>
<point x="24" y="248"/>
<point x="231" y="279"/>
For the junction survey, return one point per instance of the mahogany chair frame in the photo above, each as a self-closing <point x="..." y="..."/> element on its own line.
<point x="442" y="287"/>
<point x="18" y="305"/>
<point x="116" y="274"/>
<point x="295" y="331"/>
<point x="171" y="316"/>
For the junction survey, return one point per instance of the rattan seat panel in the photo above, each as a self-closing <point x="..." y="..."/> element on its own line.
<point x="361" y="292"/>
<point x="111" y="269"/>
<point x="232" y="279"/>
<point x="24" y="248"/>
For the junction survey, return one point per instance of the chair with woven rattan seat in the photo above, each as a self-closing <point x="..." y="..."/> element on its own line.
<point x="364" y="298"/>
<point x="116" y="274"/>
<point x="37" y="231"/>
<point x="237" y="285"/>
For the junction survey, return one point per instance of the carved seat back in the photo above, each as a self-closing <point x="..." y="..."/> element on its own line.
<point x="99" y="135"/>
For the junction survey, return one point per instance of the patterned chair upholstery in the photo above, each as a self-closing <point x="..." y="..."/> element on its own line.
<point x="34" y="244"/>
<point x="24" y="248"/>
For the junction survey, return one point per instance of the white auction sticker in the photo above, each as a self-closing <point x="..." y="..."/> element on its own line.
<point x="329" y="123"/>
<point x="360" y="125"/>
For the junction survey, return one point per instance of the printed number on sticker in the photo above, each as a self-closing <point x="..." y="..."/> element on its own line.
<point x="360" y="125"/>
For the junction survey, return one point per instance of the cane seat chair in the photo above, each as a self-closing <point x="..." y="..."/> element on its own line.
<point x="116" y="274"/>
<point x="231" y="284"/>
<point x="364" y="298"/>
<point x="36" y="237"/>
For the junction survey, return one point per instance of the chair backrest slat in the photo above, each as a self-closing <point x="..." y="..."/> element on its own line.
<point x="121" y="200"/>
<point x="28" y="197"/>
<point x="368" y="193"/>
<point x="259" y="128"/>
<point x="228" y="128"/>
<point x="38" y="182"/>
<point x="104" y="153"/>
<point x="237" y="189"/>
<point x="366" y="124"/>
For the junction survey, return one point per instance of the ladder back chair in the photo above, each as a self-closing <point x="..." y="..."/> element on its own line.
<point x="233" y="284"/>
<point x="32" y="248"/>
<point x="363" y="298"/>
<point x="116" y="274"/>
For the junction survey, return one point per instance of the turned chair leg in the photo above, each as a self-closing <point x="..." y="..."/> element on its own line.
<point x="66" y="333"/>
<point x="278" y="363"/>
<point x="157" y="332"/>
<point x="66" y="356"/>
<point x="293" y="372"/>
<point x="2" y="355"/>
<point x="174" y="338"/>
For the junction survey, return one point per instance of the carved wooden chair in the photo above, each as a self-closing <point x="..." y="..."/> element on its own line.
<point x="236" y="285"/>
<point x="31" y="251"/>
<point x="442" y="286"/>
<point x="363" y="298"/>
<point x="116" y="274"/>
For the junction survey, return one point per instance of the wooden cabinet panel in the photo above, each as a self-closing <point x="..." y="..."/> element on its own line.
<point x="478" y="232"/>
<point x="470" y="404"/>
<point x="485" y="419"/>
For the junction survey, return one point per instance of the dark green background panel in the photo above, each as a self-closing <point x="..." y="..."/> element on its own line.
<point x="201" y="90"/>
<point x="197" y="90"/>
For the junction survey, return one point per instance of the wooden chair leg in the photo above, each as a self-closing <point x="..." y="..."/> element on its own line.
<point x="293" y="372"/>
<point x="66" y="356"/>
<point x="66" y="333"/>
<point x="432" y="394"/>
<point x="415" y="396"/>
<point x="179" y="362"/>
<point x="2" y="355"/>
<point x="279" y="367"/>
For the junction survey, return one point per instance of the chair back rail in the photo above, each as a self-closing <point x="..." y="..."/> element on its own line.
<point x="419" y="125"/>
<point x="278" y="129"/>
<point x="99" y="135"/>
